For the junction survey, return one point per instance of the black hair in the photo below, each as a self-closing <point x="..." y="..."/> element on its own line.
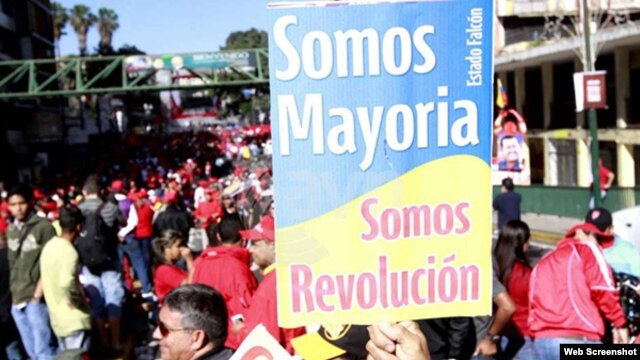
<point x="508" y="184"/>
<point x="22" y="190"/>
<point x="202" y="308"/>
<point x="229" y="231"/>
<point x="70" y="218"/>
<point x="166" y="239"/>
<point x="510" y="248"/>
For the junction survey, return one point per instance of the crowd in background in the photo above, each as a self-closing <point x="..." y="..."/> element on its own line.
<point x="175" y="210"/>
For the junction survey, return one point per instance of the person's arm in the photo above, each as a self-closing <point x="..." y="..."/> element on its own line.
<point x="188" y="258"/>
<point x="38" y="293"/>
<point x="610" y="177"/>
<point x="403" y="341"/>
<point x="48" y="233"/>
<point x="68" y="268"/>
<point x="132" y="221"/>
<point x="506" y="308"/>
<point x="603" y="291"/>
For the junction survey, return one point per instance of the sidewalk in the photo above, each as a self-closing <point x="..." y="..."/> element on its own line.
<point x="547" y="229"/>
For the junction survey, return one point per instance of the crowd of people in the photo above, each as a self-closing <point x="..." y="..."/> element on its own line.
<point x="101" y="268"/>
<point x="170" y="243"/>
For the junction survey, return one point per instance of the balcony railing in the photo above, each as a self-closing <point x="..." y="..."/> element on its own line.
<point x="524" y="8"/>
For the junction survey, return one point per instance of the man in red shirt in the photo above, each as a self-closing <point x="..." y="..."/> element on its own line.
<point x="144" y="228"/>
<point x="571" y="289"/>
<point x="606" y="180"/>
<point x="226" y="269"/>
<point x="264" y="308"/>
<point x="208" y="210"/>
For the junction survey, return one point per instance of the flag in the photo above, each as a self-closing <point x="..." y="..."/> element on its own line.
<point x="501" y="97"/>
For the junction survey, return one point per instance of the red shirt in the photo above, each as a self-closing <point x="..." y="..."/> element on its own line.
<point x="572" y="289"/>
<point x="518" y="289"/>
<point x="604" y="176"/>
<point x="264" y="310"/>
<point x="3" y="225"/>
<point x="226" y="269"/>
<point x="144" y="229"/>
<point x="167" y="278"/>
<point x="208" y="211"/>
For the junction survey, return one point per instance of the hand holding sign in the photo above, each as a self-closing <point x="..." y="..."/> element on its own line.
<point x="402" y="341"/>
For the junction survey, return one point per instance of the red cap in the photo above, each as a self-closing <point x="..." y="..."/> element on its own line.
<point x="265" y="230"/>
<point x="117" y="185"/>
<point x="170" y="197"/>
<point x="142" y="194"/>
<point x="38" y="194"/>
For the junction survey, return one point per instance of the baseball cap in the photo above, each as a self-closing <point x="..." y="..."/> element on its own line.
<point x="331" y="341"/>
<point x="600" y="217"/>
<point x="265" y="230"/>
<point x="170" y="197"/>
<point x="117" y="185"/>
<point x="597" y="221"/>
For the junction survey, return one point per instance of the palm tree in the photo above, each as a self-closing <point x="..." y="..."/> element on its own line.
<point x="81" y="20"/>
<point x="107" y="24"/>
<point x="60" y="19"/>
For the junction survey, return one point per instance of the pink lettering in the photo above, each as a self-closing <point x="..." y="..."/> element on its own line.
<point x="301" y="287"/>
<point x="365" y="211"/>
<point x="325" y="287"/>
<point x="470" y="276"/>
<point x="465" y="223"/>
<point x="443" y="219"/>
<point x="367" y="291"/>
<point x="390" y="224"/>
<point x="415" y="287"/>
<point x="345" y="291"/>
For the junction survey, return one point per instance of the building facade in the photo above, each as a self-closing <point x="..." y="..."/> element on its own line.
<point x="539" y="46"/>
<point x="26" y="32"/>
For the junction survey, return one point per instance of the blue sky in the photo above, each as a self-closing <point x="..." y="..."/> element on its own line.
<point x="172" y="26"/>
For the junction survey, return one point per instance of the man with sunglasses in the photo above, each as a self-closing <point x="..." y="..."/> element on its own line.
<point x="192" y="325"/>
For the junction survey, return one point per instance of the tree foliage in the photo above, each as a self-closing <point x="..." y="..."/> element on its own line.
<point x="107" y="24"/>
<point x="249" y="39"/>
<point x="60" y="19"/>
<point x="81" y="20"/>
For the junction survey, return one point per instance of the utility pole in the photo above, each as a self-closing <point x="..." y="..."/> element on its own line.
<point x="588" y="63"/>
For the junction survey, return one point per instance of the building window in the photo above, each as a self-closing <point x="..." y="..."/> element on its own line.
<point x="563" y="107"/>
<point x="536" y="159"/>
<point x="563" y="162"/>
<point x="609" y="155"/>
<point x="533" y="110"/>
<point x="633" y="114"/>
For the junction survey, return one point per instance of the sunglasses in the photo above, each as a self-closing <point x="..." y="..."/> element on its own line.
<point x="165" y="331"/>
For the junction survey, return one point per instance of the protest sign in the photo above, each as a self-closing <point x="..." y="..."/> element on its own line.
<point x="260" y="345"/>
<point x="382" y="127"/>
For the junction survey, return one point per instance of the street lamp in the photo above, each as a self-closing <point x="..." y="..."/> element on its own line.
<point x="588" y="63"/>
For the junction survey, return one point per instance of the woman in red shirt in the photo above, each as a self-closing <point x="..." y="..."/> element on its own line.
<point x="514" y="272"/>
<point x="167" y="250"/>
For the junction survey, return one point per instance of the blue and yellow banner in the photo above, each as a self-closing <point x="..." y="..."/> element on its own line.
<point x="382" y="126"/>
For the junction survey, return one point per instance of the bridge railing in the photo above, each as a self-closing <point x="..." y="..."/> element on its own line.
<point x="125" y="73"/>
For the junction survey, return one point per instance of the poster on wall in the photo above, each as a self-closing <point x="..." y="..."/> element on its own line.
<point x="511" y="157"/>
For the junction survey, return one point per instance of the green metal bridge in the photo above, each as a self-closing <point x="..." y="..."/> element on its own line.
<point x="77" y="76"/>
